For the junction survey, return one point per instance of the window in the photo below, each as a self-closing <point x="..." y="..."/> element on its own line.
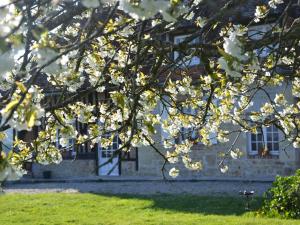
<point x="130" y="155"/>
<point x="256" y="33"/>
<point x="188" y="59"/>
<point x="265" y="138"/>
<point x="108" y="151"/>
<point x="187" y="132"/>
<point x="191" y="132"/>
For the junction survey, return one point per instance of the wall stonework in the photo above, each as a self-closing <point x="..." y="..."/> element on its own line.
<point x="67" y="169"/>
<point x="247" y="167"/>
<point x="244" y="168"/>
<point x="150" y="162"/>
<point x="128" y="168"/>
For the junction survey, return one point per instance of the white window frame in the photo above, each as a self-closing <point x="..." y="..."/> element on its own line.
<point x="116" y="141"/>
<point x="264" y="141"/>
<point x="195" y="60"/>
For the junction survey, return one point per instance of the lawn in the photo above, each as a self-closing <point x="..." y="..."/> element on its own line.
<point x="82" y="209"/>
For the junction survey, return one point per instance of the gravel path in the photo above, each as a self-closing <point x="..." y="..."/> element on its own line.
<point x="143" y="187"/>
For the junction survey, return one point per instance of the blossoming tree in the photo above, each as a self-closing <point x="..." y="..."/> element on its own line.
<point x="116" y="48"/>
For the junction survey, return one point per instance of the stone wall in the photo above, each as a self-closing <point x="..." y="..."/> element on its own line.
<point x="150" y="162"/>
<point x="67" y="169"/>
<point x="247" y="167"/>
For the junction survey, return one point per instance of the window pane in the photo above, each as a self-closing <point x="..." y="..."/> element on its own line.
<point x="109" y="154"/>
<point x="253" y="137"/>
<point x="276" y="147"/>
<point x="270" y="147"/>
<point x="260" y="146"/>
<point x="269" y="137"/>
<point x="253" y="147"/>
<point x="269" y="128"/>
<point x="133" y="153"/>
<point x="259" y="137"/>
<point x="115" y="146"/>
<point x="275" y="129"/>
<point x="275" y="137"/>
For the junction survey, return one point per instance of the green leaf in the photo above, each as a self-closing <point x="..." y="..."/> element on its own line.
<point x="21" y="86"/>
<point x="10" y="105"/>
<point x="30" y="118"/>
<point x="150" y="127"/>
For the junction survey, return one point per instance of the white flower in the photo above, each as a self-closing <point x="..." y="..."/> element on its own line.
<point x="4" y="2"/>
<point x="296" y="143"/>
<point x="196" y="2"/>
<point x="273" y="3"/>
<point x="185" y="147"/>
<point x="11" y="173"/>
<point x="172" y="157"/>
<point x="296" y="87"/>
<point x="223" y="168"/>
<point x="63" y="142"/>
<point x="9" y="17"/>
<point x="174" y="172"/>
<point x="261" y="12"/>
<point x="207" y="79"/>
<point x="255" y="117"/>
<point x="232" y="45"/>
<point x="194" y="166"/>
<point x="287" y="61"/>
<point x="234" y="154"/>
<point x="91" y="3"/>
<point x="145" y="9"/>
<point x="200" y="21"/>
<point x="267" y="109"/>
<point x="280" y="99"/>
<point x="224" y="65"/>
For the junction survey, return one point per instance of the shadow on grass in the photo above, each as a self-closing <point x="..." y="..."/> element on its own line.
<point x="207" y="205"/>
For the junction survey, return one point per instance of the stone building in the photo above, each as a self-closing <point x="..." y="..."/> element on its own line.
<point x="143" y="162"/>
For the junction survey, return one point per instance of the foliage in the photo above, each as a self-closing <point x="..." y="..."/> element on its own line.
<point x="283" y="199"/>
<point x="55" y="53"/>
<point x="60" y="208"/>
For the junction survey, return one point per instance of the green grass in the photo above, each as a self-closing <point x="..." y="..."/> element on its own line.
<point x="82" y="209"/>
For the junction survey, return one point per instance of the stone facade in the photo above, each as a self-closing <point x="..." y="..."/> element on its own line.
<point x="244" y="168"/>
<point x="67" y="169"/>
<point x="248" y="167"/>
<point x="150" y="163"/>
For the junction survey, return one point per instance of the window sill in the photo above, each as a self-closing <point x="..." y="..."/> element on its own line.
<point x="263" y="157"/>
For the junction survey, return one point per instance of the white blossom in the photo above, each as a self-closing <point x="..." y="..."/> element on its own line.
<point x="91" y="3"/>
<point x="280" y="99"/>
<point x="224" y="168"/>
<point x="273" y="3"/>
<point x="261" y="12"/>
<point x="174" y="172"/>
